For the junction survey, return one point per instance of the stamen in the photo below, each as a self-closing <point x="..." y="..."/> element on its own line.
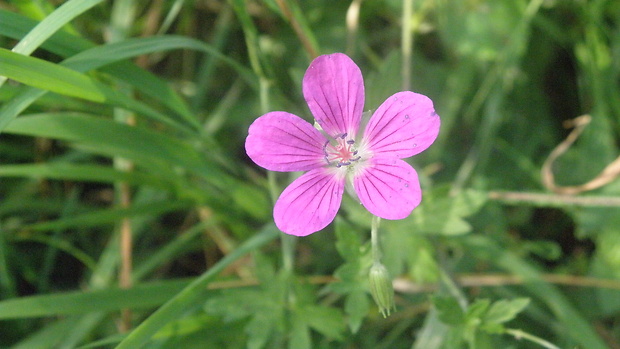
<point x="342" y="153"/>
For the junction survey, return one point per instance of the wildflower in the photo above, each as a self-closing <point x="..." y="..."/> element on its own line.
<point x="337" y="154"/>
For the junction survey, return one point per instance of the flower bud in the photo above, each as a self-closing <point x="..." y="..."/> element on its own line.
<point x="381" y="288"/>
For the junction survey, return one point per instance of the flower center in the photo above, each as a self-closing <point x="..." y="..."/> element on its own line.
<point x="342" y="153"/>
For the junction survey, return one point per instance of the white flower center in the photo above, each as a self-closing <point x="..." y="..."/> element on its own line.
<point x="341" y="152"/>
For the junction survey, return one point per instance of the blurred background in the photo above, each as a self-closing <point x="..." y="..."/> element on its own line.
<point x="130" y="215"/>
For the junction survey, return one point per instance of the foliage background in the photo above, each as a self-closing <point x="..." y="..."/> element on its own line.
<point x="128" y="118"/>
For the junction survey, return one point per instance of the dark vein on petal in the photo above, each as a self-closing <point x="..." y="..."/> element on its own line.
<point x="385" y="122"/>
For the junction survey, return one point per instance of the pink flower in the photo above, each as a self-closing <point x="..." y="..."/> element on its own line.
<point x="368" y="163"/>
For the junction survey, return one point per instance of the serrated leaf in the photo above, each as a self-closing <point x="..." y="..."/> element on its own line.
<point x="477" y="310"/>
<point x="347" y="272"/>
<point x="422" y="263"/>
<point x="265" y="270"/>
<point x="505" y="310"/>
<point x="356" y="306"/>
<point x="493" y="328"/>
<point x="441" y="213"/>
<point x="235" y="304"/>
<point x="325" y="320"/>
<point x="448" y="310"/>
<point x="300" y="335"/>
<point x="348" y="242"/>
<point x="259" y="330"/>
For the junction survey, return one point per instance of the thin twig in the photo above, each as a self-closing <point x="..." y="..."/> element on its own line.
<point x="305" y="41"/>
<point x="404" y="285"/>
<point x="609" y="173"/>
<point x="126" y="247"/>
<point x="495" y="280"/>
<point x="554" y="199"/>
<point x="519" y="334"/>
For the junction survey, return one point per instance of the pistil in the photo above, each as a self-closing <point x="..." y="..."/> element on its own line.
<point x="342" y="153"/>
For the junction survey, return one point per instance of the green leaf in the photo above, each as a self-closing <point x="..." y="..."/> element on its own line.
<point x="162" y="256"/>
<point x="48" y="76"/>
<point x="356" y="306"/>
<point x="421" y="259"/>
<point x="350" y="277"/>
<point x="227" y="305"/>
<point x="448" y="310"/>
<point x="574" y="324"/>
<point x="52" y="23"/>
<point x="259" y="330"/>
<point x="476" y="311"/>
<point x="141" y="296"/>
<point x="51" y="335"/>
<point x="505" y="310"/>
<point x="87" y="173"/>
<point x="325" y="320"/>
<point x="300" y="335"/>
<point x="61" y="245"/>
<point x="435" y="334"/>
<point x="348" y="242"/>
<point x="353" y="274"/>
<point x="193" y="294"/>
<point x="443" y="213"/>
<point x="114" y="138"/>
<point x="111" y="216"/>
<point x="103" y="55"/>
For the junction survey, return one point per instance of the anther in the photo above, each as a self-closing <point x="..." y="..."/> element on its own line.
<point x="341" y="153"/>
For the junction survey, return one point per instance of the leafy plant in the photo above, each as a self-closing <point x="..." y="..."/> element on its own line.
<point x="131" y="215"/>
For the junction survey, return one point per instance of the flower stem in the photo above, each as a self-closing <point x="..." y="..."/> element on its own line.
<point x="379" y="278"/>
<point x="374" y="239"/>
<point x="518" y="334"/>
<point x="288" y="253"/>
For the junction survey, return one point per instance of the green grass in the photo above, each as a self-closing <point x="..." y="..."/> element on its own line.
<point x="129" y="117"/>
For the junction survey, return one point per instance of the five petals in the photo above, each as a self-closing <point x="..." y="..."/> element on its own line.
<point x="404" y="125"/>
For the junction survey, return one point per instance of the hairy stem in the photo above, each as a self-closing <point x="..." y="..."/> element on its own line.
<point x="519" y="334"/>
<point x="374" y="239"/>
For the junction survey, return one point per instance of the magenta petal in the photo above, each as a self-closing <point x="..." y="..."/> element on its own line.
<point x="310" y="203"/>
<point x="388" y="188"/>
<point x="334" y="90"/>
<point x="280" y="141"/>
<point x="404" y="125"/>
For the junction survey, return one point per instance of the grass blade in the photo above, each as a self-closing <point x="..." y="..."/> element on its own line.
<point x="52" y="23"/>
<point x="193" y="293"/>
<point x="139" y="297"/>
<point x="576" y="326"/>
<point x="48" y="76"/>
<point x="88" y="173"/>
<point x="122" y="140"/>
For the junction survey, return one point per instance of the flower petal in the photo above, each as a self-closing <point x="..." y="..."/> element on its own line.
<point x="388" y="188"/>
<point x="334" y="90"/>
<point x="404" y="125"/>
<point x="310" y="203"/>
<point x="280" y="141"/>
